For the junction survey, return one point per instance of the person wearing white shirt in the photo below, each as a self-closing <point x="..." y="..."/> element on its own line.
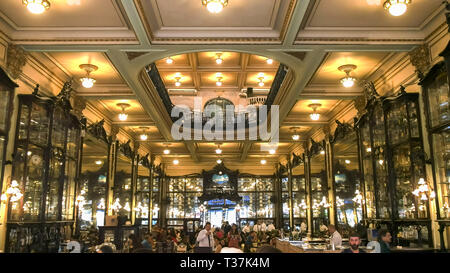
<point x="335" y="238"/>
<point x="205" y="239"/>
<point x="246" y="229"/>
<point x="270" y="227"/>
<point x="263" y="227"/>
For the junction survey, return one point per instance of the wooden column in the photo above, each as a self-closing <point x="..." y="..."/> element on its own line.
<point x="308" y="190"/>
<point x="150" y="196"/>
<point x="291" y="208"/>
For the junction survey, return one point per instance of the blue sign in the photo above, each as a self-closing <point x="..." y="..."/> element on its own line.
<point x="220" y="180"/>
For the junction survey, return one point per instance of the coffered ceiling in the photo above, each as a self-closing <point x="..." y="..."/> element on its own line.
<point x="311" y="37"/>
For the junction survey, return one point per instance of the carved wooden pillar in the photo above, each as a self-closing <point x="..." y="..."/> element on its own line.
<point x="329" y="170"/>
<point x="112" y="169"/>
<point x="134" y="177"/>
<point x="279" y="199"/>
<point x="308" y="188"/>
<point x="150" y="194"/>
<point x="290" y="201"/>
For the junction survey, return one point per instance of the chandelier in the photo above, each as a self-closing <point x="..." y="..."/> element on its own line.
<point x="13" y="192"/>
<point x="314" y="116"/>
<point x="215" y="6"/>
<point x="348" y="81"/>
<point x="396" y="7"/>
<point x="36" y="6"/>
<point x="424" y="191"/>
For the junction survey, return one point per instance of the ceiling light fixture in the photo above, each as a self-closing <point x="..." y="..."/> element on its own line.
<point x="36" y="6"/>
<point x="348" y="81"/>
<point x="166" y="151"/>
<point x="218" y="150"/>
<point x="123" y="116"/>
<point x="219" y="59"/>
<point x="396" y="7"/>
<point x="219" y="161"/>
<point x="176" y="162"/>
<point x="178" y="78"/>
<point x="263" y="162"/>
<point x="347" y="161"/>
<point x="169" y="60"/>
<point x="215" y="6"/>
<point x="98" y="162"/>
<point x="295" y="136"/>
<point x="269" y="61"/>
<point x="315" y="116"/>
<point x="272" y="151"/>
<point x="87" y="81"/>
<point x="261" y="78"/>
<point x="219" y="77"/>
<point x="143" y="136"/>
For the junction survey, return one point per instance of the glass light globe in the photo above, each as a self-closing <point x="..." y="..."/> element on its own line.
<point x="348" y="82"/>
<point x="263" y="162"/>
<point x="261" y="84"/>
<point x="144" y="137"/>
<point x="169" y="60"/>
<point x="37" y="6"/>
<point x="219" y="60"/>
<point x="218" y="151"/>
<point x="166" y="151"/>
<point x="98" y="162"/>
<point x="269" y="61"/>
<point x="272" y="151"/>
<point x="178" y="84"/>
<point x="123" y="117"/>
<point x="296" y="137"/>
<point x="219" y="83"/>
<point x="176" y="162"/>
<point x="322" y="152"/>
<point x="315" y="116"/>
<point x="219" y="161"/>
<point x="214" y="7"/>
<point x="398" y="9"/>
<point x="87" y="82"/>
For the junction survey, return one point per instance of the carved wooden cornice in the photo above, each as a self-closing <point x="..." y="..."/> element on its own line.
<point x="15" y="60"/>
<point x="420" y="58"/>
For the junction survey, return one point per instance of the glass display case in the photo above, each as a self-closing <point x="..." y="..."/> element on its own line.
<point x="45" y="159"/>
<point x="7" y="87"/>
<point x="257" y="203"/>
<point x="123" y="181"/>
<point x="348" y="191"/>
<point x="319" y="203"/>
<point x="393" y="160"/>
<point x="93" y="185"/>
<point x="142" y="195"/>
<point x="435" y="86"/>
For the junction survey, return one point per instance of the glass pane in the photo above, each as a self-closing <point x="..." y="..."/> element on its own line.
<point x="264" y="184"/>
<point x="397" y="122"/>
<point x="265" y="207"/>
<point x="177" y="184"/>
<point x="319" y="192"/>
<point x="176" y="206"/>
<point x="192" y="205"/>
<point x="32" y="186"/>
<point x="69" y="190"/>
<point x="413" y="119"/>
<point x="56" y="162"/>
<point x="441" y="148"/>
<point x="123" y="186"/>
<point x="141" y="210"/>
<point x="285" y="198"/>
<point x="299" y="183"/>
<point x="368" y="169"/>
<point x="284" y="184"/>
<point x="39" y="125"/>
<point x="59" y="128"/>
<point x="2" y="150"/>
<point x="300" y="205"/>
<point x="383" y="202"/>
<point x="248" y="207"/>
<point x="246" y="184"/>
<point x="24" y="122"/>
<point x="72" y="142"/>
<point x="439" y="100"/>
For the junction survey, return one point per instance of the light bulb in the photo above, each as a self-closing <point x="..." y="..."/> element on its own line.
<point x="398" y="9"/>
<point x="87" y="82"/>
<point x="347" y="161"/>
<point x="169" y="60"/>
<point x="269" y="61"/>
<point x="166" y="151"/>
<point x="369" y="150"/>
<point x="348" y="82"/>
<point x="144" y="137"/>
<point x="295" y="137"/>
<point x="98" y="162"/>
<point x="315" y="116"/>
<point x="322" y="152"/>
<point x="214" y="7"/>
<point x="123" y="116"/>
<point x="219" y="161"/>
<point x="219" y="83"/>
<point x="176" y="162"/>
<point x="218" y="151"/>
<point x="177" y="84"/>
<point x="261" y="84"/>
<point x="272" y="151"/>
<point x="263" y="162"/>
<point x="219" y="60"/>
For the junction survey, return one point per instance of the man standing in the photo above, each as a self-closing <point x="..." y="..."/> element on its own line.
<point x="205" y="240"/>
<point x="385" y="240"/>
<point x="246" y="229"/>
<point x="335" y="238"/>
<point x="354" y="241"/>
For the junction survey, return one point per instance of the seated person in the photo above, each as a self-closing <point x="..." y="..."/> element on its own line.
<point x="355" y="242"/>
<point x="385" y="239"/>
<point x="335" y="238"/>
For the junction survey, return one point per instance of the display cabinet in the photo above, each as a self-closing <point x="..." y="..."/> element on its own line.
<point x="348" y="190"/>
<point x="156" y="194"/>
<point x="318" y="188"/>
<point x="120" y="234"/>
<point x="143" y="192"/>
<point x="435" y="86"/>
<point x="93" y="185"/>
<point x="45" y="160"/>
<point x="123" y="180"/>
<point x="7" y="87"/>
<point x="393" y="161"/>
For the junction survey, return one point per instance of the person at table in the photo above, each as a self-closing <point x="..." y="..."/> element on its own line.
<point x="336" y="238"/>
<point x="355" y="242"/>
<point x="385" y="238"/>
<point x="234" y="238"/>
<point x="205" y="239"/>
<point x="251" y="238"/>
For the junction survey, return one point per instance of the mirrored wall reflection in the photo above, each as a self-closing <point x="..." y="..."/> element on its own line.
<point x="93" y="183"/>
<point x="257" y="198"/>
<point x="183" y="202"/>
<point x="347" y="182"/>
<point x="319" y="193"/>
<point x="123" y="183"/>
<point x="142" y="195"/>
<point x="299" y="199"/>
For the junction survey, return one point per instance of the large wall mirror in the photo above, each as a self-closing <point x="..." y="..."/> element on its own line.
<point x="93" y="182"/>
<point x="142" y="196"/>
<point x="319" y="189"/>
<point x="123" y="182"/>
<point x="299" y="195"/>
<point x="346" y="178"/>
